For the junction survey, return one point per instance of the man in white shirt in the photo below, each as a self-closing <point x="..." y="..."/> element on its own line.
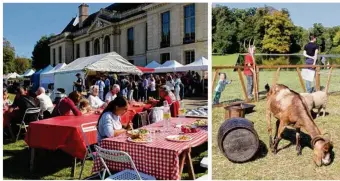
<point x="101" y="85"/>
<point x="110" y="96"/>
<point x="94" y="100"/>
<point x="45" y="102"/>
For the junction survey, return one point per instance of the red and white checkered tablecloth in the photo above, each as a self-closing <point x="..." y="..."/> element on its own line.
<point x="159" y="158"/>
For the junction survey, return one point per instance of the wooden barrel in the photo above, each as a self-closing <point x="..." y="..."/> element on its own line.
<point x="234" y="112"/>
<point x="238" y="140"/>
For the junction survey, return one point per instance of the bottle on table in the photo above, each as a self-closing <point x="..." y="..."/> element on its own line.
<point x="166" y="115"/>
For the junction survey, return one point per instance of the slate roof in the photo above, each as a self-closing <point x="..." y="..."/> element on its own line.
<point x="119" y="7"/>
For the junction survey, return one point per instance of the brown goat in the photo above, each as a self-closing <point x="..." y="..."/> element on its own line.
<point x="291" y="109"/>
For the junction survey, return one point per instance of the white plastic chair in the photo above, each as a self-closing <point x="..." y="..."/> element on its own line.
<point x="122" y="157"/>
<point x="204" y="162"/>
<point x="156" y="115"/>
<point x="86" y="128"/>
<point x="29" y="111"/>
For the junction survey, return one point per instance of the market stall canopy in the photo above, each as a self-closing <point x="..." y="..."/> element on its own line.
<point x="168" y="66"/>
<point x="28" y="73"/>
<point x="200" y="64"/>
<point x="146" y="70"/>
<point x="108" y="62"/>
<point x="11" y="76"/>
<point x="35" y="79"/>
<point x="48" y="76"/>
<point x="153" y="64"/>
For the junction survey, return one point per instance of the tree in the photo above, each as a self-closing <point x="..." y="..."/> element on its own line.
<point x="278" y="31"/>
<point x="8" y="57"/>
<point x="41" y="53"/>
<point x="21" y="64"/>
<point x="336" y="43"/>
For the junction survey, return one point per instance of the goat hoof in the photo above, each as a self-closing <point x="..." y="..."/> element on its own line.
<point x="299" y="153"/>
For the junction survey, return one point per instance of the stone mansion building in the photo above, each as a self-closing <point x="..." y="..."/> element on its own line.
<point x="140" y="32"/>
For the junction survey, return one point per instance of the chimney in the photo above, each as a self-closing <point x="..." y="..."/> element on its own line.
<point x="83" y="13"/>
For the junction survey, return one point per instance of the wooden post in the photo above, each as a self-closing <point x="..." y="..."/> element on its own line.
<point x="257" y="83"/>
<point x="329" y="79"/>
<point x="276" y="76"/>
<point x="317" y="78"/>
<point x="243" y="85"/>
<point x="214" y="78"/>
<point x="301" y="80"/>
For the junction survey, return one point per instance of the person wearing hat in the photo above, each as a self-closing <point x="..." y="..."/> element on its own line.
<point x="79" y="83"/>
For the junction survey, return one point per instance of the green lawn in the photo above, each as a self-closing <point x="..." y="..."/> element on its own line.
<point x="286" y="164"/>
<point x="56" y="165"/>
<point x="225" y="59"/>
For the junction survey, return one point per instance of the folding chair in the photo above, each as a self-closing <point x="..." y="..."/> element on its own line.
<point x="86" y="128"/>
<point x="156" y="115"/>
<point x="122" y="157"/>
<point x="140" y="119"/>
<point x="30" y="111"/>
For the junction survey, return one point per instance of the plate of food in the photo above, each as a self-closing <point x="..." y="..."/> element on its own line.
<point x="140" y="140"/>
<point x="179" y="138"/>
<point x="200" y="123"/>
<point x="138" y="133"/>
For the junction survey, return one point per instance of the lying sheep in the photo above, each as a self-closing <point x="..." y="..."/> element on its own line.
<point x="316" y="100"/>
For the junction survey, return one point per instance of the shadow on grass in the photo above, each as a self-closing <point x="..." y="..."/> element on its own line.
<point x="197" y="154"/>
<point x="47" y="163"/>
<point x="290" y="135"/>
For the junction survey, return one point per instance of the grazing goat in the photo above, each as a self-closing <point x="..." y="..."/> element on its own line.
<point x="316" y="100"/>
<point x="290" y="109"/>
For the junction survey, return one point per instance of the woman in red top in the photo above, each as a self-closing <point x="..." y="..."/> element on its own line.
<point x="167" y="95"/>
<point x="68" y="104"/>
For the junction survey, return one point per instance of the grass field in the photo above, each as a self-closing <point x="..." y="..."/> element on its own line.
<point x="56" y="165"/>
<point x="225" y="59"/>
<point x="286" y="164"/>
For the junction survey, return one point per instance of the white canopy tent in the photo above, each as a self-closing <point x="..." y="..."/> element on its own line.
<point x="28" y="72"/>
<point x="48" y="77"/>
<point x="153" y="64"/>
<point x="168" y="66"/>
<point x="109" y="62"/>
<point x="11" y="75"/>
<point x="200" y="64"/>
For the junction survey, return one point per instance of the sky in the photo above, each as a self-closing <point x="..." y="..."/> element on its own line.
<point x="25" y="23"/>
<point x="302" y="14"/>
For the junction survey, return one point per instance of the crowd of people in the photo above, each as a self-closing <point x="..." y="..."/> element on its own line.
<point x="145" y="86"/>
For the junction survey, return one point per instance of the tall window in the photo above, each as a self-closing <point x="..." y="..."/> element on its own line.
<point x="165" y="57"/>
<point x="87" y="48"/>
<point x="96" y="47"/>
<point x="130" y="41"/>
<point x="60" y="54"/>
<point x="77" y="50"/>
<point x="165" y="29"/>
<point x="54" y="58"/>
<point x="189" y="24"/>
<point x="189" y="56"/>
<point x="107" y="44"/>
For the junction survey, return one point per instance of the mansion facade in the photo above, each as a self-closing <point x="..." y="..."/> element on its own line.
<point x="140" y="32"/>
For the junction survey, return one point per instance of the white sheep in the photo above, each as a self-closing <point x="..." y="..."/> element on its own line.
<point x="316" y="100"/>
